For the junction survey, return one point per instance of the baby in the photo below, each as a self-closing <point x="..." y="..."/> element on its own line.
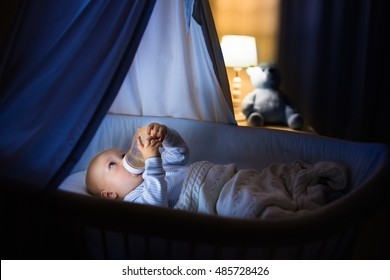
<point x="166" y="156"/>
<point x="205" y="187"/>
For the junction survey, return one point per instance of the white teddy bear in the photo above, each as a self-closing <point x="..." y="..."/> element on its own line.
<point x="266" y="104"/>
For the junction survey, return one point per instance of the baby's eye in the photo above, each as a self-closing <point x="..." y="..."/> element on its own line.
<point x="111" y="164"/>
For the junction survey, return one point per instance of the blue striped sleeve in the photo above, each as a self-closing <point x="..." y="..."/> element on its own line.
<point x="153" y="190"/>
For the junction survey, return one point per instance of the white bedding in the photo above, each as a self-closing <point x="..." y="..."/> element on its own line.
<point x="75" y="183"/>
<point x="277" y="191"/>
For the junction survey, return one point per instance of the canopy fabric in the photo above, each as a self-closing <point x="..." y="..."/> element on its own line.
<point x="172" y="73"/>
<point x="62" y="68"/>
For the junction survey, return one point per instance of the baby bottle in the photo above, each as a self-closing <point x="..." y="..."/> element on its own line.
<point x="133" y="161"/>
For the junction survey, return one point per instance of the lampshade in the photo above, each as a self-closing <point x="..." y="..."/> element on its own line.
<point x="239" y="51"/>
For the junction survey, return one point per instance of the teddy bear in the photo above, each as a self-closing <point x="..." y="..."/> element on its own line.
<point x="267" y="104"/>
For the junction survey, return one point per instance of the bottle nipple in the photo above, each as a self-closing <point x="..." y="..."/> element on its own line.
<point x="133" y="161"/>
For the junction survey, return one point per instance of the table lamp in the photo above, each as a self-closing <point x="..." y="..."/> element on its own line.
<point x="239" y="52"/>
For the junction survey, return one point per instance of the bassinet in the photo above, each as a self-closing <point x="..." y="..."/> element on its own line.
<point x="64" y="224"/>
<point x="119" y="230"/>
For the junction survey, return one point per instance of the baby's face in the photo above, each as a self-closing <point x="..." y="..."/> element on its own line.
<point x="112" y="176"/>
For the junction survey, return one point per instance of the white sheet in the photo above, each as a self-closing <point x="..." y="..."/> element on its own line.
<point x="75" y="183"/>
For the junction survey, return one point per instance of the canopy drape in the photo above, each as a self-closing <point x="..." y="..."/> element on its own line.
<point x="334" y="58"/>
<point x="63" y="65"/>
<point x="173" y="74"/>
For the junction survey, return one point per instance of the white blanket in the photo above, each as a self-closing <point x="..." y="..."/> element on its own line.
<point x="277" y="191"/>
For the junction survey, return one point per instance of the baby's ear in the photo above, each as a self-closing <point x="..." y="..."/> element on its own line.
<point x="109" y="195"/>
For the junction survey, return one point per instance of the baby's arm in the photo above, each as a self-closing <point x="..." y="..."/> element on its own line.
<point x="153" y="190"/>
<point x="175" y="150"/>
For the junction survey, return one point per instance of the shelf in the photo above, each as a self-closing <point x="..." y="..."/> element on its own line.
<point x="306" y="129"/>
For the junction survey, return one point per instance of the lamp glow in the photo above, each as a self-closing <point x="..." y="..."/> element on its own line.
<point x="239" y="52"/>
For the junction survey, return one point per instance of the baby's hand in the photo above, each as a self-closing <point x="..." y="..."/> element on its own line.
<point x="150" y="147"/>
<point x="157" y="131"/>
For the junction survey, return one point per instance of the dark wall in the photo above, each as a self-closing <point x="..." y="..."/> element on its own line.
<point x="7" y="12"/>
<point x="334" y="58"/>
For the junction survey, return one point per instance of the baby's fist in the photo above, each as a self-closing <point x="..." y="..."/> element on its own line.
<point x="157" y="131"/>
